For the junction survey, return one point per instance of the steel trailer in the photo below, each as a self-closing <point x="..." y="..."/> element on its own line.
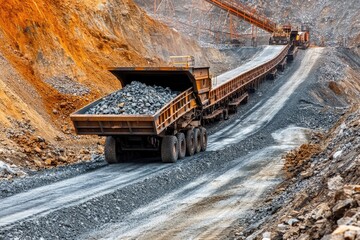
<point x="177" y="129"/>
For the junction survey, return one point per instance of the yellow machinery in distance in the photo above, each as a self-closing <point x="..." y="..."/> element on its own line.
<point x="281" y="35"/>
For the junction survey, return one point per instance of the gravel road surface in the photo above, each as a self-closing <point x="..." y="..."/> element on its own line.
<point x="212" y="202"/>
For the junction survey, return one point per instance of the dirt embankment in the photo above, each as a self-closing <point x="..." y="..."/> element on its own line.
<point x="320" y="196"/>
<point x="53" y="59"/>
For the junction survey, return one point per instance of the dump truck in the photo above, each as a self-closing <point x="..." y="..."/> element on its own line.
<point x="178" y="128"/>
<point x="287" y="34"/>
<point x="301" y="38"/>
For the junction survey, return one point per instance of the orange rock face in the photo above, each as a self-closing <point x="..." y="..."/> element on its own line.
<point x="54" y="57"/>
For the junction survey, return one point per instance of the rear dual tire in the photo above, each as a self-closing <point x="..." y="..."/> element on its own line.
<point x="182" y="145"/>
<point x="177" y="147"/>
<point x="204" y="139"/>
<point x="169" y="149"/>
<point x="197" y="140"/>
<point x="190" y="142"/>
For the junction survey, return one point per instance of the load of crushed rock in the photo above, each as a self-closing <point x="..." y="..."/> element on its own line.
<point x="134" y="98"/>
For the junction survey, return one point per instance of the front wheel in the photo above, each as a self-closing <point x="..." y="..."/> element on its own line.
<point x="169" y="149"/>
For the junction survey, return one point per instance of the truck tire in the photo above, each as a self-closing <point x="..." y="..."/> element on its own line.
<point x="190" y="146"/>
<point x="204" y="139"/>
<point x="235" y="109"/>
<point x="226" y="114"/>
<point x="111" y="153"/>
<point x="245" y="100"/>
<point x="197" y="140"/>
<point x="169" y="149"/>
<point x="182" y="145"/>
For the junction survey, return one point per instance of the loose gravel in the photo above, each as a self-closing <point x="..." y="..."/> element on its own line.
<point x="66" y="85"/>
<point x="34" y="179"/>
<point x="135" y="98"/>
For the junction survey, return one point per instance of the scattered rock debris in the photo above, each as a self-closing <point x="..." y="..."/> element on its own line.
<point x="67" y="85"/>
<point x="35" y="152"/>
<point x="134" y="98"/>
<point x="320" y="198"/>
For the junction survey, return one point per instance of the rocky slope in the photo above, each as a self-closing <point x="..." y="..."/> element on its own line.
<point x="323" y="181"/>
<point x="332" y="22"/>
<point x="54" y="57"/>
<point x="201" y="20"/>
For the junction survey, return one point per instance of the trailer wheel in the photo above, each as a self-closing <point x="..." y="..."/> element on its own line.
<point x="111" y="153"/>
<point x="226" y="114"/>
<point x="245" y="100"/>
<point x="190" y="146"/>
<point x="233" y="109"/>
<point x="220" y="117"/>
<point x="197" y="140"/>
<point x="169" y="149"/>
<point x="182" y="145"/>
<point x="204" y="139"/>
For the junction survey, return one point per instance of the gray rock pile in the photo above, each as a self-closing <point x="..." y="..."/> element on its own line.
<point x="135" y="98"/>
<point x="67" y="85"/>
<point x="333" y="69"/>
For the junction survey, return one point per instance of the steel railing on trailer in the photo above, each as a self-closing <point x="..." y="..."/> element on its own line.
<point x="222" y="91"/>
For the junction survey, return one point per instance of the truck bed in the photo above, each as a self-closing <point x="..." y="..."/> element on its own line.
<point x="112" y="125"/>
